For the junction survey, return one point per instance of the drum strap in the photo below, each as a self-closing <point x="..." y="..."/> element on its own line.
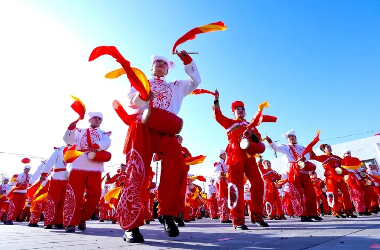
<point x="294" y="152"/>
<point x="89" y="138"/>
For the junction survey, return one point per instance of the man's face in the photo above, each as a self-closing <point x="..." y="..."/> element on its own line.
<point x="26" y="170"/>
<point x="267" y="165"/>
<point x="292" y="139"/>
<point x="239" y="113"/>
<point x="179" y="139"/>
<point x="223" y="156"/>
<point x="160" y="68"/>
<point x="95" y="121"/>
<point x="42" y="178"/>
<point x="6" y="181"/>
<point x="123" y="168"/>
<point x="328" y="149"/>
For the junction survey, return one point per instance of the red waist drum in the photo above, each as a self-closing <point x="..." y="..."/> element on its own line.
<point x="100" y="156"/>
<point x="162" y="120"/>
<point x="251" y="147"/>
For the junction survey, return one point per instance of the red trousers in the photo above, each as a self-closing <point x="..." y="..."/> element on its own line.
<point x="302" y="186"/>
<point x="236" y="201"/>
<point x="212" y="206"/>
<point x="3" y="208"/>
<point x="74" y="209"/>
<point x="375" y="202"/>
<point x="222" y="199"/>
<point x="141" y="143"/>
<point x="333" y="186"/>
<point x="25" y="214"/>
<point x="16" y="204"/>
<point x="36" y="211"/>
<point x="54" y="204"/>
<point x="319" y="199"/>
<point x="357" y="194"/>
<point x="288" y="204"/>
<point x="104" y="209"/>
<point x="272" y="201"/>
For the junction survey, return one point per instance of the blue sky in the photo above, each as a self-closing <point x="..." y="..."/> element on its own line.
<point x="315" y="62"/>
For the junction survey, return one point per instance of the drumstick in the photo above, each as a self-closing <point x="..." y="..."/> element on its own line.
<point x="190" y="53"/>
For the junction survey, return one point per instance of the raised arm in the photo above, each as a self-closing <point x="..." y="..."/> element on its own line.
<point x="272" y="145"/>
<point x="219" y="117"/>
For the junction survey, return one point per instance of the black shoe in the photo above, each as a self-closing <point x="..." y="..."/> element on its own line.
<point x="82" y="225"/>
<point x="58" y="226"/>
<point x="215" y="218"/>
<point x="133" y="236"/>
<point x="160" y="219"/>
<point x="170" y="227"/>
<point x="343" y="216"/>
<point x="365" y="214"/>
<point x="113" y="222"/>
<point x="317" y="218"/>
<point x="48" y="227"/>
<point x="8" y="222"/>
<point x="179" y="221"/>
<point x="337" y="216"/>
<point x="306" y="219"/>
<point x="241" y="227"/>
<point x="352" y="216"/>
<point x="147" y="222"/>
<point x="101" y="220"/>
<point x="70" y="229"/>
<point x="226" y="221"/>
<point x="262" y="223"/>
<point x="33" y="225"/>
<point x="199" y="218"/>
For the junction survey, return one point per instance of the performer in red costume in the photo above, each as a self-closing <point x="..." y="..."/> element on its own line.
<point x="220" y="172"/>
<point x="54" y="204"/>
<point x="320" y="189"/>
<point x="118" y="179"/>
<point x="334" y="181"/>
<point x="299" y="182"/>
<point x="37" y="207"/>
<point x="239" y="164"/>
<point x="144" y="139"/>
<point x="17" y="195"/>
<point x="86" y="173"/>
<point x="272" y="198"/>
<point x="212" y="204"/>
<point x="357" y="187"/>
<point x="5" y="188"/>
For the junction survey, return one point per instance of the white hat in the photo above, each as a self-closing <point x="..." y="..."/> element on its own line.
<point x="347" y="152"/>
<point x="291" y="132"/>
<point x="368" y="164"/>
<point x="157" y="57"/>
<point x="92" y="114"/>
<point x="221" y="151"/>
<point x="27" y="167"/>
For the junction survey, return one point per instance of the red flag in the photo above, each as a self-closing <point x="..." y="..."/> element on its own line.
<point x="309" y="147"/>
<point x="78" y="107"/>
<point x="112" y="51"/>
<point x="199" y="30"/>
<point x="202" y="91"/>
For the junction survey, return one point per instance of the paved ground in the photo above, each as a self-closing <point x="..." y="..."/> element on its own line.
<point x="332" y="233"/>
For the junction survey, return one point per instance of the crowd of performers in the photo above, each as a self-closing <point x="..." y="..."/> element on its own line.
<point x="67" y="188"/>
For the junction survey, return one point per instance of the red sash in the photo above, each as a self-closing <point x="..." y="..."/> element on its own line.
<point x="293" y="172"/>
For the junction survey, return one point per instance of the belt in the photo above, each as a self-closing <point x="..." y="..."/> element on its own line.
<point x="59" y="170"/>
